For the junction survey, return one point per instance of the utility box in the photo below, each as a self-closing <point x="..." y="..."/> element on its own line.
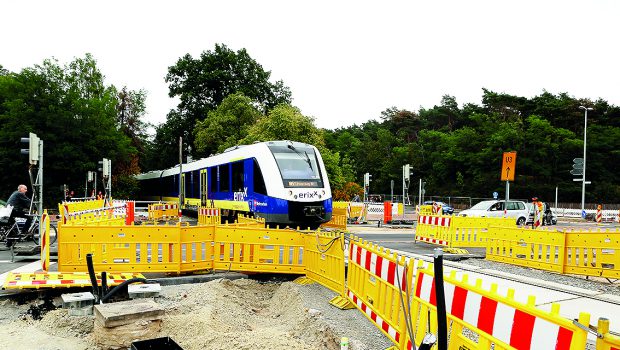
<point x="137" y="291"/>
<point x="165" y="343"/>
<point x="78" y="304"/>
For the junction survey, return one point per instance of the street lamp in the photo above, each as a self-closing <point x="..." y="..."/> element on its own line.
<point x="583" y="178"/>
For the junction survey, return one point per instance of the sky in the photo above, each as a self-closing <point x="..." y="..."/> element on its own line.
<point x="345" y="61"/>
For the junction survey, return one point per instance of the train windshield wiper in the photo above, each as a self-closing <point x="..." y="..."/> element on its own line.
<point x="306" y="159"/>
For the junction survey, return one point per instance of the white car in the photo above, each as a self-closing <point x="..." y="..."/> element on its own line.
<point x="495" y="209"/>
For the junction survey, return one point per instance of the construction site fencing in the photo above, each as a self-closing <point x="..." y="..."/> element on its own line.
<point x="605" y="340"/>
<point x="457" y="231"/>
<point x="377" y="284"/>
<point x="163" y="211"/>
<point x="122" y="213"/>
<point x="324" y="259"/>
<point x="589" y="253"/>
<point x="339" y="219"/>
<point x="209" y="216"/>
<point x="483" y="319"/>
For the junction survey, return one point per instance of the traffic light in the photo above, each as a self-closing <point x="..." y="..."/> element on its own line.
<point x="104" y="167"/>
<point x="91" y="176"/>
<point x="33" y="148"/>
<point x="367" y="179"/>
<point x="407" y="172"/>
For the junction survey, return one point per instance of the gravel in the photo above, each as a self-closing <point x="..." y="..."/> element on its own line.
<point x="598" y="284"/>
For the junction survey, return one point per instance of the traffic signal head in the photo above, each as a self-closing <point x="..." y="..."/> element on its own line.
<point x="33" y="148"/>
<point x="104" y="167"/>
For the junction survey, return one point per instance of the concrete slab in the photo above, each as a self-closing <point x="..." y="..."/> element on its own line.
<point x="78" y="304"/>
<point x="137" y="291"/>
<point x="126" y="312"/>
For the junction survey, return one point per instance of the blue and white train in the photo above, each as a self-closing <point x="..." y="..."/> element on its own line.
<point x="284" y="182"/>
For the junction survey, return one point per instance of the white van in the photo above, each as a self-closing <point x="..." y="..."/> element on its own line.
<point x="495" y="209"/>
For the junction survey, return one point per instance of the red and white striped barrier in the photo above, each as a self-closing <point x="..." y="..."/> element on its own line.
<point x="385" y="269"/>
<point x="434" y="220"/>
<point x="209" y="211"/>
<point x="375" y="318"/>
<point x="517" y="328"/>
<point x="432" y="240"/>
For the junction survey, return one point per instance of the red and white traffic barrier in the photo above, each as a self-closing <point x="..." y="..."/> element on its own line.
<point x="435" y="220"/>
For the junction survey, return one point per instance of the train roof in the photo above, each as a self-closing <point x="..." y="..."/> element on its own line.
<point x="229" y="155"/>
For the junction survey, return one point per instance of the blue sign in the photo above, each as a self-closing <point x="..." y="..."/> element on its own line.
<point x="495" y="195"/>
<point x="583" y="214"/>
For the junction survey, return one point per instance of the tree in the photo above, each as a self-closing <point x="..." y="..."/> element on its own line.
<point x="286" y="122"/>
<point x="226" y="125"/>
<point x="72" y="111"/>
<point x="202" y="84"/>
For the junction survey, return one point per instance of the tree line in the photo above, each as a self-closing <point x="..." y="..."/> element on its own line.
<point x="227" y="98"/>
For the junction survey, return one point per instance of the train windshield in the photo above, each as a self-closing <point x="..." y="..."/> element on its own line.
<point x="298" y="166"/>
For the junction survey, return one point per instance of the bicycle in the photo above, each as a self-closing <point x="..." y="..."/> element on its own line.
<point x="12" y="233"/>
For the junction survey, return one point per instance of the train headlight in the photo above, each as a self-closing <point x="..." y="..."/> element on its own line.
<point x="323" y="192"/>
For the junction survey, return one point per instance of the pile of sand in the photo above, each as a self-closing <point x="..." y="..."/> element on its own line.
<point x="222" y="314"/>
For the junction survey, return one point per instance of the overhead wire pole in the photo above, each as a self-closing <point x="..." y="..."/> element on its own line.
<point x="583" y="175"/>
<point x="180" y="175"/>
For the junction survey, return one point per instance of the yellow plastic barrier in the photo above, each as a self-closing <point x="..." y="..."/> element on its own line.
<point x="339" y="219"/>
<point x="606" y="340"/>
<point x="258" y="250"/>
<point x="593" y="253"/>
<point x="478" y="318"/>
<point x="196" y="248"/>
<point x="455" y="231"/>
<point x="324" y="259"/>
<point x="159" y="211"/>
<point x="209" y="216"/>
<point x="247" y="221"/>
<point x="590" y="253"/>
<point x="377" y="283"/>
<point x="426" y="210"/>
<point x="527" y="247"/>
<point x="120" y="248"/>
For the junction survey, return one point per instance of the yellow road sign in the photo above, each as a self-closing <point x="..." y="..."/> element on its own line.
<point x="509" y="163"/>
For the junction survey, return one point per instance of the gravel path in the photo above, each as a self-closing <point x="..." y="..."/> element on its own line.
<point x="591" y="283"/>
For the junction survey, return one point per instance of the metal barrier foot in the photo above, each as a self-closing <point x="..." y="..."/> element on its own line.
<point x="342" y="303"/>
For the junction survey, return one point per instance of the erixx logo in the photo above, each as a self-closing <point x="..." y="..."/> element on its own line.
<point x="308" y="195"/>
<point x="241" y="196"/>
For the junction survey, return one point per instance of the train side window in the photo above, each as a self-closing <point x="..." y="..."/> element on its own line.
<point x="224" y="177"/>
<point x="259" y="182"/>
<point x="195" y="184"/>
<point x="237" y="176"/>
<point x="212" y="178"/>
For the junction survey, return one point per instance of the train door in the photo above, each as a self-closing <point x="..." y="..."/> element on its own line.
<point x="203" y="187"/>
<point x="182" y="194"/>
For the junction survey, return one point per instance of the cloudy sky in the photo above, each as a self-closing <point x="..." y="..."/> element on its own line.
<point x="345" y="61"/>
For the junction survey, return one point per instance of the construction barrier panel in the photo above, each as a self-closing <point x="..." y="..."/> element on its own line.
<point x="209" y="216"/>
<point x="324" y="259"/>
<point x="527" y="247"/>
<point x="339" y="219"/>
<point x="258" y="250"/>
<point x="44" y="236"/>
<point x="606" y="340"/>
<point x="478" y="318"/>
<point x="593" y="253"/>
<point x="590" y="253"/>
<point x="37" y="280"/>
<point x="378" y="283"/>
<point x="163" y="211"/>
<point x="457" y="231"/>
<point x="249" y="221"/>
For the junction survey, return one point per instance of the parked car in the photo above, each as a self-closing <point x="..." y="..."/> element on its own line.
<point x="495" y="209"/>
<point x="549" y="217"/>
<point x="445" y="208"/>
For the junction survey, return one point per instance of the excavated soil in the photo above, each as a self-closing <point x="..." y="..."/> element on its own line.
<point x="221" y="314"/>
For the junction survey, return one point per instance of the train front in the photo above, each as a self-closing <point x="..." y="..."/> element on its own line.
<point x="306" y="198"/>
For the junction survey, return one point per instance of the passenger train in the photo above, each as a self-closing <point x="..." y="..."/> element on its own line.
<point x="284" y="182"/>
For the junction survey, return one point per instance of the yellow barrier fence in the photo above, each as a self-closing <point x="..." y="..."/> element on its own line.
<point x="593" y="253"/>
<point x="606" y="340"/>
<point x="258" y="250"/>
<point x="456" y="231"/>
<point x="339" y="219"/>
<point x="324" y="259"/>
<point x="483" y="319"/>
<point x="377" y="283"/>
<point x="209" y="216"/>
<point x="249" y="221"/>
<point x="590" y="253"/>
<point x="163" y="211"/>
